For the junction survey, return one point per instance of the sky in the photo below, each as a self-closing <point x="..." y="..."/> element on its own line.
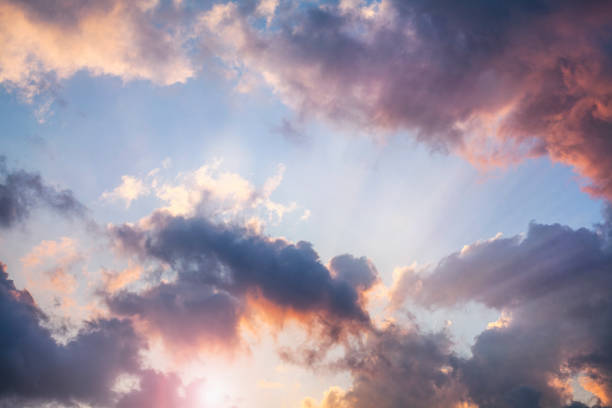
<point x="306" y="204"/>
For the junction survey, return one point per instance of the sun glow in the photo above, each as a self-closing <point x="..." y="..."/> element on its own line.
<point x="212" y="394"/>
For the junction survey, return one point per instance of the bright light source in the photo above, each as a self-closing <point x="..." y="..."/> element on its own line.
<point x="211" y="394"/>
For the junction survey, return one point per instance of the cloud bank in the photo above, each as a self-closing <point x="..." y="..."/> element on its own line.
<point x="553" y="288"/>
<point x="225" y="272"/>
<point x="494" y="81"/>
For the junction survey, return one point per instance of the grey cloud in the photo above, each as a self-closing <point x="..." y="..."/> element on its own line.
<point x="34" y="369"/>
<point x="495" y="81"/>
<point x="403" y="368"/>
<point x="218" y="266"/>
<point x="185" y="312"/>
<point x="555" y="285"/>
<point x="21" y="191"/>
<point x="360" y="273"/>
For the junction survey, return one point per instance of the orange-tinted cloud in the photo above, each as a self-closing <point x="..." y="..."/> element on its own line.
<point x="228" y="275"/>
<point x="495" y="82"/>
<point x="114" y="282"/>
<point x="334" y="397"/>
<point x="44" y="41"/>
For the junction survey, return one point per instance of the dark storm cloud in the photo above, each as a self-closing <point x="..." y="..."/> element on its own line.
<point x="496" y="81"/>
<point x="220" y="267"/>
<point x="21" y="191"/>
<point x="554" y="285"/>
<point x="33" y="367"/>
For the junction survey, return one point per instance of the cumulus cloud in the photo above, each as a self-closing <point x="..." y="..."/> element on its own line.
<point x="187" y="314"/>
<point x="333" y="398"/>
<point x="225" y="272"/>
<point x="398" y="367"/>
<point x="21" y="191"/>
<point x="129" y="190"/>
<point x="35" y="369"/>
<point x="210" y="190"/>
<point x="360" y="272"/>
<point x="215" y="192"/>
<point x="553" y="288"/>
<point x="550" y="285"/>
<point x="494" y="81"/>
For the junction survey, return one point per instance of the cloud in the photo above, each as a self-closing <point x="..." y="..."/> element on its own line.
<point x="550" y="285"/>
<point x="360" y="273"/>
<point x="496" y="82"/>
<point x="214" y="192"/>
<point x="129" y="190"/>
<point x="225" y="273"/>
<point x="127" y="39"/>
<point x="333" y="398"/>
<point x="188" y="315"/>
<point x="157" y="390"/>
<point x="21" y="191"/>
<point x="403" y="368"/>
<point x="553" y="288"/>
<point x="209" y="191"/>
<point x="36" y="369"/>
<point x="115" y="281"/>
<point x="163" y="390"/>
<point x="398" y="367"/>
<point x="51" y="271"/>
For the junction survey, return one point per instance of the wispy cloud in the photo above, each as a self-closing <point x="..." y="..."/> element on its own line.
<point x="21" y="192"/>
